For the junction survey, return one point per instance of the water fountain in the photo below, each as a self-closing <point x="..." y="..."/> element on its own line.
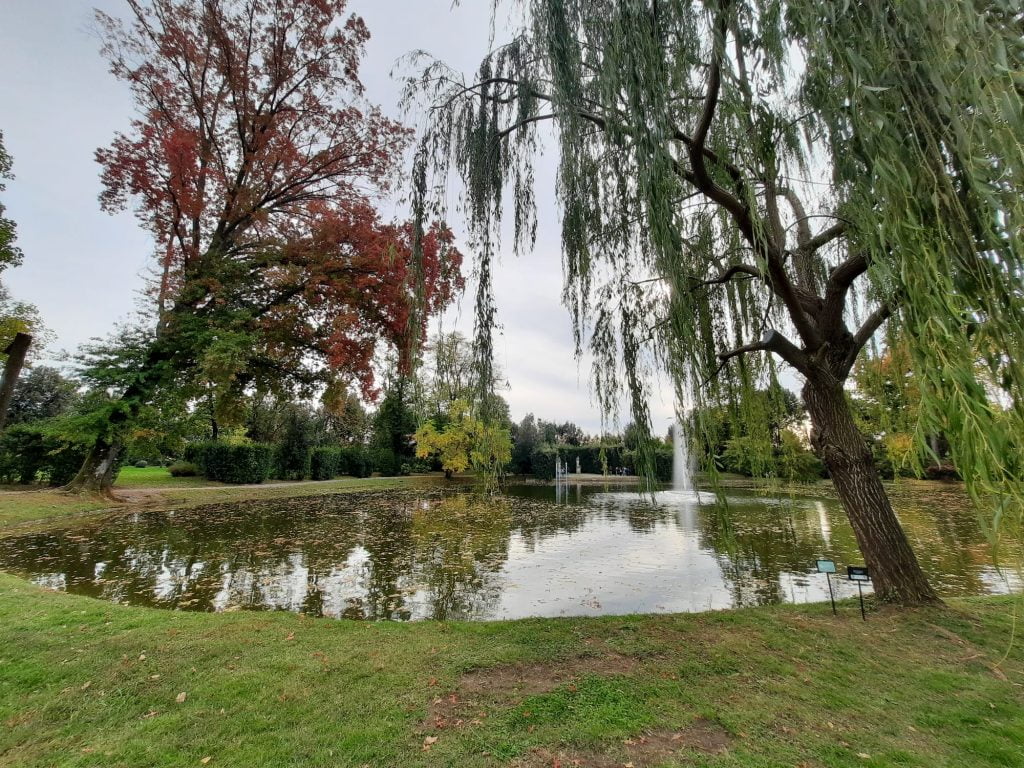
<point x="682" y="474"/>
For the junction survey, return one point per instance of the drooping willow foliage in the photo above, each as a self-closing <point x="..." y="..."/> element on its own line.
<point x="727" y="168"/>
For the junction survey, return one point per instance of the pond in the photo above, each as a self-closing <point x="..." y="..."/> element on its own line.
<point x="450" y="554"/>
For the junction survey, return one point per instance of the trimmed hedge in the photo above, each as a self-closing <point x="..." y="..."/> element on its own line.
<point x="183" y="469"/>
<point x="354" y="461"/>
<point x="543" y="460"/>
<point x="325" y="463"/>
<point x="330" y="461"/>
<point x="237" y="464"/>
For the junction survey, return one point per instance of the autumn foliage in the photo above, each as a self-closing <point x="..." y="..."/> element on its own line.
<point x="257" y="165"/>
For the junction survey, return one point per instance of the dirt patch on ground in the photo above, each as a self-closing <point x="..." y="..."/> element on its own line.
<point x="648" y="749"/>
<point x="482" y="690"/>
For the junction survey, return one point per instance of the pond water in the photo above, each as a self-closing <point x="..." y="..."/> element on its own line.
<point x="451" y="554"/>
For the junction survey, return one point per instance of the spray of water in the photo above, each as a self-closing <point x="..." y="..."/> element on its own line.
<point x="682" y="475"/>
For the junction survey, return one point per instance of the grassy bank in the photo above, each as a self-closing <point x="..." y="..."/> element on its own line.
<point x="88" y="683"/>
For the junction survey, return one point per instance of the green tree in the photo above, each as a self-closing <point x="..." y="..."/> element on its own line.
<point x="10" y="254"/>
<point x="693" y="139"/>
<point x="526" y="438"/>
<point x="395" y="422"/>
<point x="465" y="442"/>
<point x="42" y="393"/>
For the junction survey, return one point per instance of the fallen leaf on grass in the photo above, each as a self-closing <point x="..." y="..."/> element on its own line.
<point x="180" y="698"/>
<point x="863" y="755"/>
<point x="205" y="760"/>
<point x="86" y="684"/>
<point x="428" y="742"/>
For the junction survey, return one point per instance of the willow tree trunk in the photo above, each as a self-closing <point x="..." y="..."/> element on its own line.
<point x="895" y="573"/>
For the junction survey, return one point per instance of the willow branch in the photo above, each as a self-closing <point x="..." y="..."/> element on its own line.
<point x="872" y="323"/>
<point x="728" y="274"/>
<point x="827" y="236"/>
<point x="772" y="341"/>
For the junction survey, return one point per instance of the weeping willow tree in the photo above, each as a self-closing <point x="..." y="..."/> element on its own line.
<point x="750" y="183"/>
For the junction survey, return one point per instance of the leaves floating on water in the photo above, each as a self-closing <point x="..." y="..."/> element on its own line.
<point x="425" y="553"/>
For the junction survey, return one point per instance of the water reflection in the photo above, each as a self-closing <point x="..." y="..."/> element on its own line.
<point x="536" y="551"/>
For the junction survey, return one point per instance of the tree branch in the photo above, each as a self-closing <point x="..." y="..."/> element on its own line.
<point x="827" y="236"/>
<point x="872" y="323"/>
<point x="772" y="341"/>
<point x="728" y="274"/>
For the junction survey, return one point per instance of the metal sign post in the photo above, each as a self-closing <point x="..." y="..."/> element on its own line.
<point x="828" y="567"/>
<point x="859" y="574"/>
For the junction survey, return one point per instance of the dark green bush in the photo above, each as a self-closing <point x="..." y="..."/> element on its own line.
<point x="543" y="462"/>
<point x="354" y="461"/>
<point x="250" y="463"/>
<point x="29" y="454"/>
<point x="63" y="464"/>
<point x="296" y="445"/>
<point x="325" y="463"/>
<point x="183" y="469"/>
<point x="387" y="462"/>
<point x="141" y="464"/>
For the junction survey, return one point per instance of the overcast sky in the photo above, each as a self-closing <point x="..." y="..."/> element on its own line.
<point x="84" y="268"/>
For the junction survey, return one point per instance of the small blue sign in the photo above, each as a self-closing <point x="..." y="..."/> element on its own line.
<point x="826" y="566"/>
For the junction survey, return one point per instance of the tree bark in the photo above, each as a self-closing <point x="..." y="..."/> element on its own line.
<point x="97" y="473"/>
<point x="16" y="352"/>
<point x="895" y="573"/>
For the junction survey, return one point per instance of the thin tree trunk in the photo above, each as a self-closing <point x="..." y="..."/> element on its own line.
<point x="895" y="572"/>
<point x="16" y="352"/>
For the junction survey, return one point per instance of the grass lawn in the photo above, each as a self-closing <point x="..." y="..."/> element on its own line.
<point x="156" y="477"/>
<point x="89" y="683"/>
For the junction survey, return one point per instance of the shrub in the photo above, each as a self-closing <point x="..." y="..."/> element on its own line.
<point x="543" y="462"/>
<point x="325" y="463"/>
<point x="355" y="461"/>
<point x="296" y="445"/>
<point x="29" y="453"/>
<point x="386" y="462"/>
<point x="183" y="469"/>
<point x="141" y="464"/>
<point x="250" y="463"/>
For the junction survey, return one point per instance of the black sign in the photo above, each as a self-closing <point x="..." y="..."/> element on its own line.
<point x="857" y="573"/>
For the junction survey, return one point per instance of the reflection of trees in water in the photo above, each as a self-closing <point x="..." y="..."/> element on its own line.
<point x="536" y="517"/>
<point x="756" y="543"/>
<point x="461" y="545"/>
<point x="409" y="554"/>
<point x="948" y="540"/>
<point x="359" y="555"/>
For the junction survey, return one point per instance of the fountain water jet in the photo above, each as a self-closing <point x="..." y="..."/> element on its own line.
<point x="682" y="476"/>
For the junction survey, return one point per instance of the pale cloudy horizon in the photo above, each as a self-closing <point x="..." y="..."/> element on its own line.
<point x="84" y="268"/>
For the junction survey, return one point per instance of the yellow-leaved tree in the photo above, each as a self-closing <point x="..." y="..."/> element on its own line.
<point x="465" y="442"/>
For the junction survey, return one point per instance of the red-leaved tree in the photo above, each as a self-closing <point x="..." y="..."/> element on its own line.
<point x="256" y="165"/>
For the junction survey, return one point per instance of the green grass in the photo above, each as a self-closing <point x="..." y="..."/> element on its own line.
<point x="17" y="507"/>
<point x="156" y="477"/>
<point x="89" y="683"/>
